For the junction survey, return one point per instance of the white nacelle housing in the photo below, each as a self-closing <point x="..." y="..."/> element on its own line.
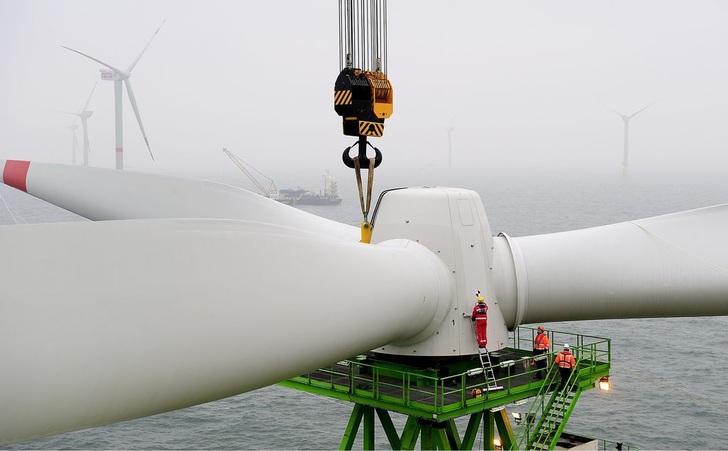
<point x="452" y="224"/>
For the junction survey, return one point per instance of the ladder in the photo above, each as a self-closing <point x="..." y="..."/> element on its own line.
<point x="485" y="363"/>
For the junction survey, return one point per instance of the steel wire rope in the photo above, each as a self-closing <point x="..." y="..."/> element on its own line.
<point x="384" y="36"/>
<point x="374" y="35"/>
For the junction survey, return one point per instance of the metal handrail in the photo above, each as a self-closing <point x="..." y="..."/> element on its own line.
<point x="365" y="379"/>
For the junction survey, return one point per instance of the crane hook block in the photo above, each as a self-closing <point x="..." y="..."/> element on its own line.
<point x="364" y="100"/>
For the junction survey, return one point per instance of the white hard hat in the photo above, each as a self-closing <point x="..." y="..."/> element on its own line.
<point x="566" y="345"/>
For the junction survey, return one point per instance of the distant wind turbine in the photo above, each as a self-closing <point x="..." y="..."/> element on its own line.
<point x="84" y="114"/>
<point x="625" y="119"/>
<point x="119" y="76"/>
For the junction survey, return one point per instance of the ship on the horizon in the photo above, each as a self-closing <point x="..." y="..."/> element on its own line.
<point x="329" y="195"/>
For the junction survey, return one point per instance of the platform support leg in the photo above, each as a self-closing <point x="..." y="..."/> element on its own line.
<point x="410" y="433"/>
<point x="432" y="434"/>
<point x="347" y="441"/>
<point x="471" y="432"/>
<point x="389" y="429"/>
<point x="453" y="437"/>
<point x="504" y="429"/>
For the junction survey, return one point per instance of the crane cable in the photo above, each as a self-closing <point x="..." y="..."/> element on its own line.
<point x="365" y="202"/>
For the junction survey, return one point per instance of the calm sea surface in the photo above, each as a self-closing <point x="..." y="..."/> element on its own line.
<point x="668" y="374"/>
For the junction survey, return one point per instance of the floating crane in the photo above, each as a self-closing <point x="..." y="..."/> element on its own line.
<point x="362" y="93"/>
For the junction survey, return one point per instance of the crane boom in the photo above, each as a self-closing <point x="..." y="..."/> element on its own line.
<point x="271" y="191"/>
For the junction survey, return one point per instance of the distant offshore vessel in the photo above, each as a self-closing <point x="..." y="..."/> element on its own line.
<point x="329" y="195"/>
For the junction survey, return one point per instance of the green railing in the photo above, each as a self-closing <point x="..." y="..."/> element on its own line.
<point x="421" y="392"/>
<point x="589" y="348"/>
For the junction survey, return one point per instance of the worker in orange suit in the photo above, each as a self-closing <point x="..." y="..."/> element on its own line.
<point x="480" y="318"/>
<point x="566" y="362"/>
<point x="541" y="345"/>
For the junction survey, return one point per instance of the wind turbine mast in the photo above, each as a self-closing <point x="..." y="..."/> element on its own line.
<point x="119" y="76"/>
<point x="625" y="119"/>
<point x="73" y="127"/>
<point x="84" y="114"/>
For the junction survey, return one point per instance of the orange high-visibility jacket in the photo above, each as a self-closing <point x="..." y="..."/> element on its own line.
<point x="565" y="360"/>
<point x="541" y="342"/>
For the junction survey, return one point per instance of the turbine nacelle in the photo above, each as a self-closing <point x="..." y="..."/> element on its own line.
<point x="453" y="225"/>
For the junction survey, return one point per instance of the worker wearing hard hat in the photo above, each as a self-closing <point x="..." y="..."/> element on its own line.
<point x="566" y="362"/>
<point x="480" y="318"/>
<point x="541" y="345"/>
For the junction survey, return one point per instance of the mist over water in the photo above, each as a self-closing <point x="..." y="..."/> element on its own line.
<point x="668" y="374"/>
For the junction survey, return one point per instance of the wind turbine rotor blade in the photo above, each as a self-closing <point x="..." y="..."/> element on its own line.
<point x="638" y="112"/>
<point x="67" y="112"/>
<point x="118" y="71"/>
<point x="666" y="266"/>
<point x="157" y="315"/>
<point x="104" y="194"/>
<point x="131" y="66"/>
<point x="132" y="99"/>
<point x="89" y="98"/>
<point x="613" y="111"/>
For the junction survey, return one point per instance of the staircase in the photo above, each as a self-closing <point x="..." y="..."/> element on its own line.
<point x="556" y="413"/>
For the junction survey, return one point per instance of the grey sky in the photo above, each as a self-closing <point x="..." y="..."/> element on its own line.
<point x="521" y="82"/>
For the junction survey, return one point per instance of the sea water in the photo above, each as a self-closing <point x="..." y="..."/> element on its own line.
<point x="668" y="374"/>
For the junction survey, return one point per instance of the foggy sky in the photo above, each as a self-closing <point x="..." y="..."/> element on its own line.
<point x="525" y="84"/>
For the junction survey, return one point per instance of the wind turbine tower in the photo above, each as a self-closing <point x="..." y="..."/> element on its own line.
<point x="119" y="76"/>
<point x="84" y="114"/>
<point x="73" y="127"/>
<point x="625" y="120"/>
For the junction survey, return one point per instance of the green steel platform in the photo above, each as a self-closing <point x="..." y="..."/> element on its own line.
<point x="432" y="393"/>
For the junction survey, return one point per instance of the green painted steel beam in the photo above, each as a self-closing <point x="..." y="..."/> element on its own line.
<point x="410" y="433"/>
<point x="471" y="432"/>
<point x="368" y="427"/>
<point x="352" y="427"/>
<point x="453" y="437"/>
<point x="505" y="431"/>
<point x="394" y="441"/>
<point x="440" y="437"/>
<point x="488" y="430"/>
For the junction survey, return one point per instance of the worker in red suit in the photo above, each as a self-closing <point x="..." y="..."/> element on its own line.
<point x="480" y="318"/>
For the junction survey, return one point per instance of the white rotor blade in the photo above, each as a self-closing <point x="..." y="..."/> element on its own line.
<point x="131" y="66"/>
<point x="156" y="315"/>
<point x="103" y="194"/>
<point x="132" y="99"/>
<point x="639" y="111"/>
<point x="613" y="111"/>
<point x="89" y="98"/>
<point x="666" y="266"/>
<point x="118" y="71"/>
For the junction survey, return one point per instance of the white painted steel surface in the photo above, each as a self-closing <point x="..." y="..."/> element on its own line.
<point x="451" y="222"/>
<point x="107" y="321"/>
<point x="665" y="266"/>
